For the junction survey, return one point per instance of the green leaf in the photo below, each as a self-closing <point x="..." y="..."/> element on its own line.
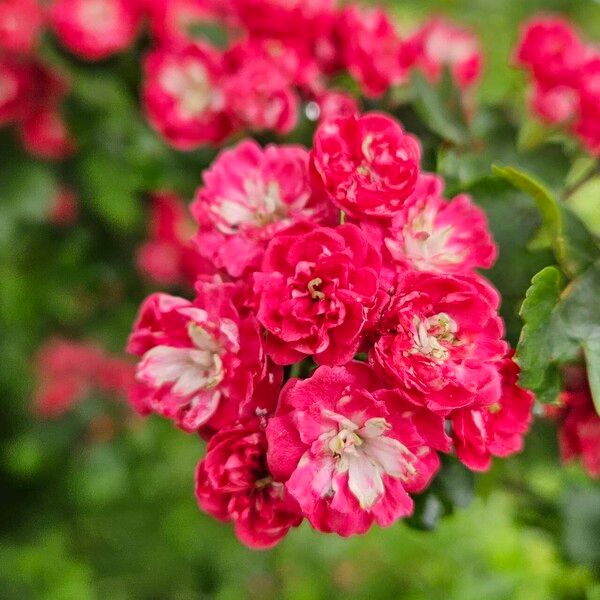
<point x="440" y="106"/>
<point x="210" y="32"/>
<point x="585" y="203"/>
<point x="532" y="134"/>
<point x="573" y="245"/>
<point x="534" y="350"/>
<point x="591" y="353"/>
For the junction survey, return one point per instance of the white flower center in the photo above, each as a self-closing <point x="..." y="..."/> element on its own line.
<point x="190" y="370"/>
<point x="97" y="16"/>
<point x="429" y="333"/>
<point x="367" y="454"/>
<point x="189" y="83"/>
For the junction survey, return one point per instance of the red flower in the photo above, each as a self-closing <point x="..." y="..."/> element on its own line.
<point x="366" y="164"/>
<point x="64" y="208"/>
<point x="45" y="135"/>
<point x="440" y="335"/>
<point x="349" y="454"/>
<point x="496" y="429"/>
<point x="183" y="97"/>
<point x="95" y="29"/>
<point x="233" y="483"/>
<point x="21" y="22"/>
<point x="314" y="292"/>
<point x="169" y="257"/>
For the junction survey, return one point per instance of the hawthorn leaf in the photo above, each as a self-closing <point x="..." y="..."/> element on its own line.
<point x="534" y="350"/>
<point x="573" y="245"/>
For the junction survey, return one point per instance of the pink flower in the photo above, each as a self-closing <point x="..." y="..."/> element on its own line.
<point x="367" y="164"/>
<point x="45" y="135"/>
<point x="370" y="47"/>
<point x="440" y="43"/>
<point x="558" y="104"/>
<point x="579" y="429"/>
<point x="350" y="454"/>
<point x="314" y="292"/>
<point x="169" y="256"/>
<point x="587" y="125"/>
<point x="259" y="85"/>
<point x="432" y="234"/>
<point x="183" y="97"/>
<point x="440" y="335"/>
<point x="333" y="105"/>
<point x="95" y="29"/>
<point x="16" y="89"/>
<point x="21" y="22"/>
<point x="200" y="361"/>
<point x="249" y="195"/>
<point x="233" y="483"/>
<point x="64" y="208"/>
<point x="552" y="50"/>
<point x="67" y="371"/>
<point x="496" y="429"/>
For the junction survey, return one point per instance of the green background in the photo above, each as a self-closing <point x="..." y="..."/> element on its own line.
<point x="112" y="515"/>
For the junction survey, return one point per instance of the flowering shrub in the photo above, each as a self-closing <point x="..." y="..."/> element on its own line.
<point x="359" y="306"/>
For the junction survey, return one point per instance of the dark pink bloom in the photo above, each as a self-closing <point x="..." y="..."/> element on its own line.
<point x="169" y="256"/>
<point x="587" y="125"/>
<point x="350" y="454"/>
<point x="433" y="234"/>
<point x="334" y="104"/>
<point x="183" y="96"/>
<point x="440" y="335"/>
<point x="370" y="47"/>
<point x="21" y="22"/>
<point x="64" y="208"/>
<point x="95" y="29"/>
<point x="233" y="483"/>
<point x="579" y="428"/>
<point x="552" y="50"/>
<point x="16" y="89"/>
<point x="67" y="371"/>
<point x="200" y="361"/>
<point x="45" y="135"/>
<point x="259" y="85"/>
<point x="440" y="43"/>
<point x="367" y="164"/>
<point x="314" y="292"/>
<point x="249" y="195"/>
<point x="558" y="104"/>
<point x="496" y="429"/>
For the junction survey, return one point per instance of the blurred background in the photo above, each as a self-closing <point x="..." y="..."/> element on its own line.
<point x="99" y="503"/>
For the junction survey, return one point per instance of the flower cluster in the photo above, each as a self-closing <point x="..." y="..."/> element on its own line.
<point x="68" y="371"/>
<point x="338" y="339"/>
<point x="578" y="422"/>
<point x="566" y="75"/>
<point x="270" y="58"/>
<point x="30" y="91"/>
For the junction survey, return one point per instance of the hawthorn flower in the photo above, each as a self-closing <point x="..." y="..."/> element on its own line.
<point x="432" y="234"/>
<point x="233" y="483"/>
<point x="199" y="361"/>
<point x="366" y="164"/>
<point x="45" y="135"/>
<point x="169" y="256"/>
<point x="349" y="454"/>
<point x="495" y="429"/>
<point x="370" y="47"/>
<point x="95" y="29"/>
<point x="183" y="96"/>
<point x="16" y="89"/>
<point x="440" y="43"/>
<point x="440" y="335"/>
<point x="21" y="22"/>
<point x="314" y="291"/>
<point x="249" y="195"/>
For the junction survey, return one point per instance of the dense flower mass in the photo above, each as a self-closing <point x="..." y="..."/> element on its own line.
<point x="347" y="256"/>
<point x="565" y="74"/>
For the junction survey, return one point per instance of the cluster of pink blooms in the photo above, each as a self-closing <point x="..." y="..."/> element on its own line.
<point x="578" y="422"/>
<point x="30" y="91"/>
<point x="339" y="340"/>
<point x="68" y="371"/>
<point x="278" y="57"/>
<point x="566" y="77"/>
